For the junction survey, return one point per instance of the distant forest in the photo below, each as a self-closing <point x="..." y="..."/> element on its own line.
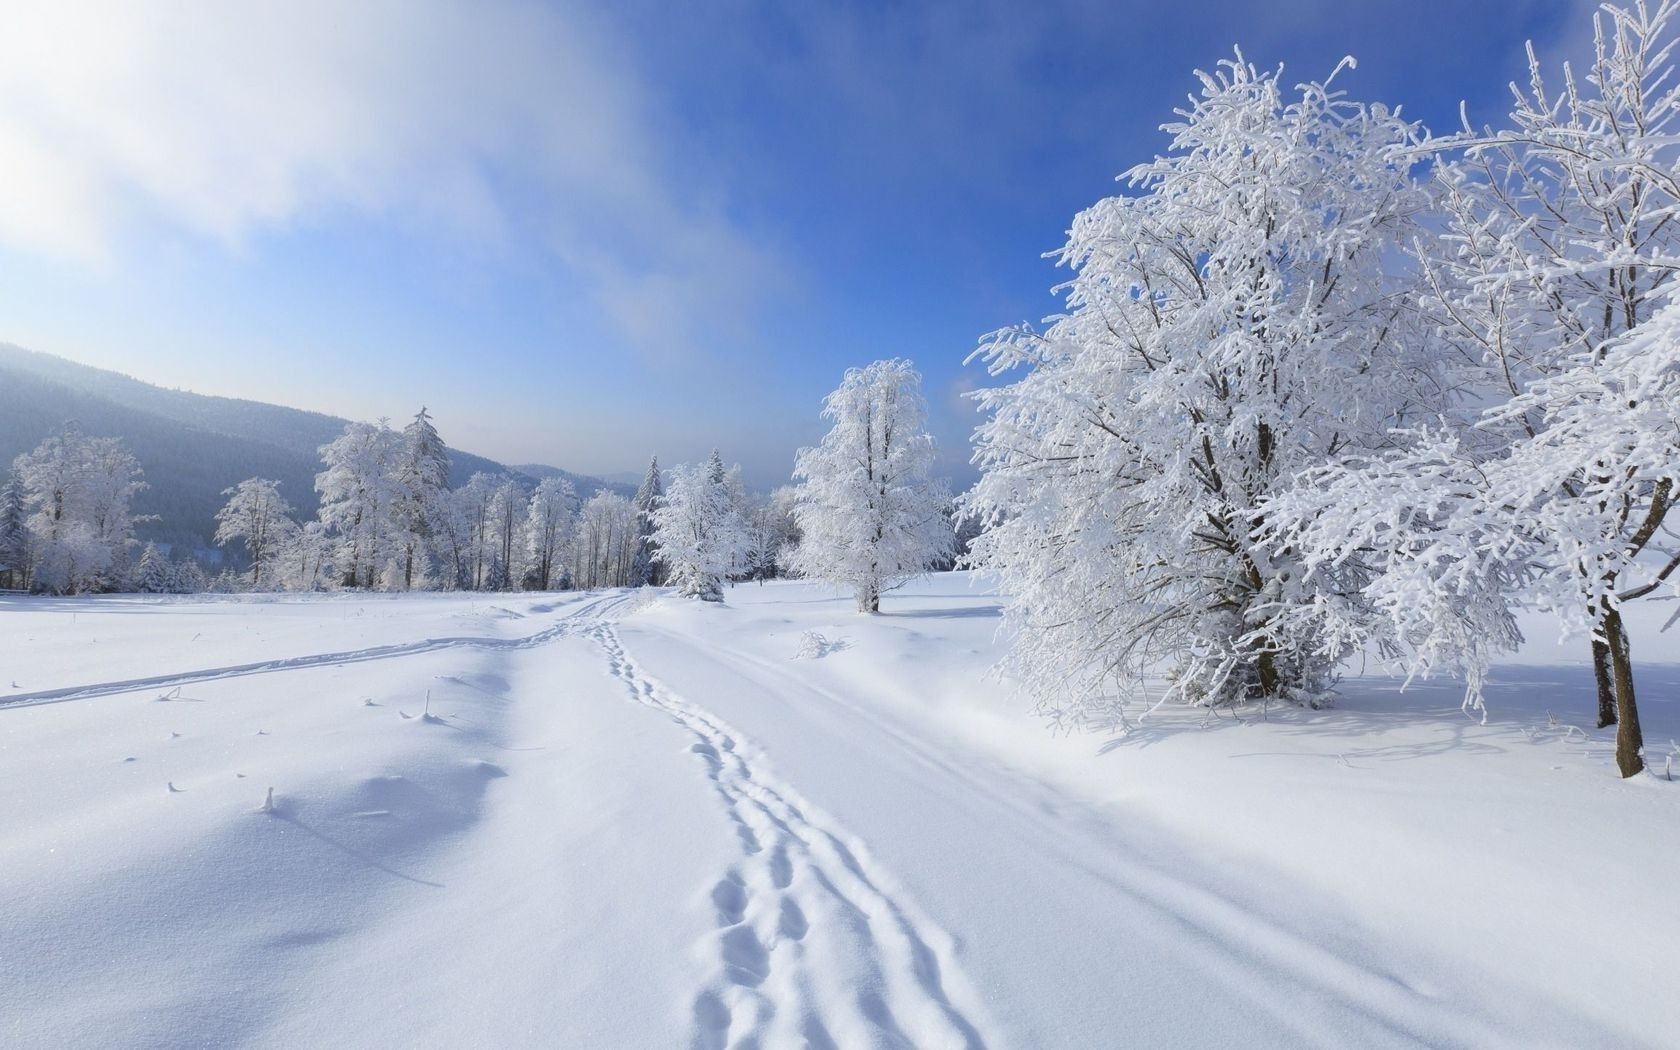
<point x="192" y="447"/>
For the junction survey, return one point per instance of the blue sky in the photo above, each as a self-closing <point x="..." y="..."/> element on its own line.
<point x="583" y="234"/>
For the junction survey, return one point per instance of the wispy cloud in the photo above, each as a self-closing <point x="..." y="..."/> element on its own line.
<point x="498" y="122"/>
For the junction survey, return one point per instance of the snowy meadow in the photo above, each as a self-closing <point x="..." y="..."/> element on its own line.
<point x="1298" y="668"/>
<point x="617" y="820"/>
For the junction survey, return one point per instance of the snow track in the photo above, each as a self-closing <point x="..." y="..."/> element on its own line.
<point x="567" y="625"/>
<point x="812" y="946"/>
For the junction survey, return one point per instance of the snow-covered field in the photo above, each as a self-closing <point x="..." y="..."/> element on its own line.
<point x="619" y="822"/>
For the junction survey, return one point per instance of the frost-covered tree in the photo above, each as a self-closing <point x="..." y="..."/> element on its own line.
<point x="467" y="530"/>
<point x="1233" y="321"/>
<point x="871" y="513"/>
<point x="507" y="511"/>
<point x="257" y="516"/>
<point x="77" y="490"/>
<point x="548" y="526"/>
<point x="697" y="536"/>
<point x="188" y="578"/>
<point x="422" y="485"/>
<point x="15" y="548"/>
<point x="305" y="560"/>
<point x="359" y="493"/>
<point x="605" y="541"/>
<point x="645" y="569"/>
<point x="772" y="533"/>
<point x="153" y="574"/>
<point x="1559" y="250"/>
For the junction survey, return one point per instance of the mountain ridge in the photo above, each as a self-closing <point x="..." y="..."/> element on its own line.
<point x="191" y="446"/>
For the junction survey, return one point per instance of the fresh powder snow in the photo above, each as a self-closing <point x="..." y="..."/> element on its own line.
<point x="618" y="819"/>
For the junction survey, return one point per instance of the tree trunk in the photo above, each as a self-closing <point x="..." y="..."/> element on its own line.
<point x="1606" y="688"/>
<point x="869" y="598"/>
<point x="1629" y="740"/>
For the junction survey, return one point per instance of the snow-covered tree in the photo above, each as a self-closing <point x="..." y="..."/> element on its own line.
<point x="548" y="527"/>
<point x="645" y="569"/>
<point x="772" y="533"/>
<point x="871" y="513"/>
<point x="188" y="578"/>
<point x="305" y="560"/>
<point x="605" y="541"/>
<point x="422" y="485"/>
<point x="15" y="553"/>
<point x="507" y="513"/>
<point x="466" y="530"/>
<point x="697" y="536"/>
<point x="1560" y="249"/>
<point x="359" y="497"/>
<point x="77" y="490"/>
<point x="257" y="516"/>
<point x="153" y="575"/>
<point x="1233" y="321"/>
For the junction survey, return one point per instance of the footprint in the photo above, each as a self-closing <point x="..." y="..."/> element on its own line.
<point x="714" y="765"/>
<point x="791" y="924"/>
<point x="781" y="869"/>
<point x="730" y="898"/>
<point x="744" y="959"/>
<point x="712" y="1017"/>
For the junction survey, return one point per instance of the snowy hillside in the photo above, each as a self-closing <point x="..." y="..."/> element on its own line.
<point x="602" y="819"/>
<point x="191" y="446"/>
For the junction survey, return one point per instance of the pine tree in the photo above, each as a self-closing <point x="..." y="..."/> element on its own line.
<point x="422" y="483"/>
<point x="871" y="511"/>
<point x="187" y="578"/>
<point x="646" y="569"/>
<point x="14" y="535"/>
<point x="697" y="534"/>
<point x="153" y="576"/>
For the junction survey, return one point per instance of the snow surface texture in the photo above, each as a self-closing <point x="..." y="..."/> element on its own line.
<point x="602" y="820"/>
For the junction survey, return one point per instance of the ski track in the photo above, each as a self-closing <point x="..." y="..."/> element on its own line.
<point x="1233" y="940"/>
<point x="566" y="625"/>
<point x="810" y="947"/>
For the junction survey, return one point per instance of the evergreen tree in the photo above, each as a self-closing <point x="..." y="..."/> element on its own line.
<point x="645" y="569"/>
<point x="153" y="576"/>
<point x="187" y="578"/>
<point x="697" y="534"/>
<point x="422" y="484"/>
<point x="14" y="534"/>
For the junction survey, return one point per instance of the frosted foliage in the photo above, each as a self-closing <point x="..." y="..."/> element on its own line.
<point x="256" y="516"/>
<point x="870" y="512"/>
<point x="1229" y="322"/>
<point x="360" y="498"/>
<point x="1551" y="483"/>
<point x="698" y="536"/>
<point x="548" y="526"/>
<point x="77" y="491"/>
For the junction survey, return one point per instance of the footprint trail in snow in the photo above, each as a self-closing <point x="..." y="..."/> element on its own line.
<point x="811" y="947"/>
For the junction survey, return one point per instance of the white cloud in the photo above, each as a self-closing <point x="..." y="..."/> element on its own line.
<point x="227" y="119"/>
